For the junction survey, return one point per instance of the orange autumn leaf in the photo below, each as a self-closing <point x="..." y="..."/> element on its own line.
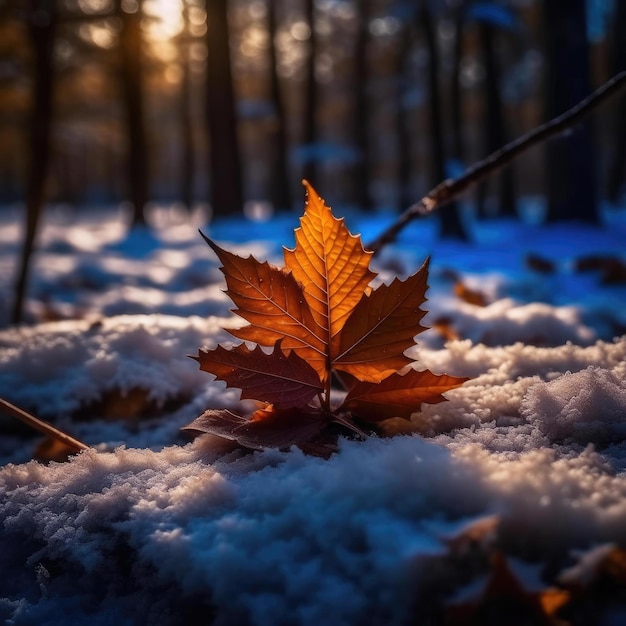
<point x="323" y="320"/>
<point x="399" y="395"/>
<point x="272" y="301"/>
<point x="332" y="267"/>
<point x="278" y="428"/>
<point x="382" y="327"/>
<point x="277" y="378"/>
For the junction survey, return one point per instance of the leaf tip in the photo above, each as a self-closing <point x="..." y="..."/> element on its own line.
<point x="204" y="237"/>
<point x="309" y="189"/>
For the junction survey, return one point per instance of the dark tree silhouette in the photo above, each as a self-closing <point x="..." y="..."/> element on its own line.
<point x="226" y="192"/>
<point x="280" y="193"/>
<point x="130" y="72"/>
<point x="452" y="188"/>
<point x="42" y="16"/>
<point x="362" y="169"/>
<point x="571" y="176"/>
<point x="188" y="165"/>
<point x="402" y="119"/>
<point x="310" y="109"/>
<point x="617" y="165"/>
<point x="451" y="225"/>
<point x="493" y="122"/>
<point x="456" y="94"/>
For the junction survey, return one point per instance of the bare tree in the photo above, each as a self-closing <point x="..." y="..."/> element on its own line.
<point x="571" y="175"/>
<point x="280" y="193"/>
<point x="226" y="195"/>
<point x="363" y="169"/>
<point x="402" y="118"/>
<point x="617" y="165"/>
<point x="312" y="91"/>
<point x="42" y="18"/>
<point x="130" y="72"/>
<point x="188" y="164"/>
<point x="451" y="225"/>
<point x="494" y="127"/>
<point x="446" y="191"/>
<point x="456" y="94"/>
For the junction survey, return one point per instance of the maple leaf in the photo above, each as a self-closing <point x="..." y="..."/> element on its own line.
<point x="332" y="267"/>
<point x="283" y="380"/>
<point x="320" y="316"/>
<point x="399" y="395"/>
<point x="382" y="326"/>
<point x="273" y="303"/>
<point x="266" y="428"/>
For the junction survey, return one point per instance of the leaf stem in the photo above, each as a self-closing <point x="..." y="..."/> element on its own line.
<point x="325" y="398"/>
<point x="42" y="426"/>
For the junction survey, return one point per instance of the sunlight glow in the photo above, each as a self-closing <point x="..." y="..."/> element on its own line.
<point x="168" y="20"/>
<point x="95" y="7"/>
<point x="101" y="33"/>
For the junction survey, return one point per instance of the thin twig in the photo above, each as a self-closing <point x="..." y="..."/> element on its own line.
<point x="452" y="188"/>
<point x="43" y="427"/>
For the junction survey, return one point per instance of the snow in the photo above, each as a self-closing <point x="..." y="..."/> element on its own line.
<point x="150" y="526"/>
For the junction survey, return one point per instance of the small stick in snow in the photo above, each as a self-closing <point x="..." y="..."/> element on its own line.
<point x="43" y="427"/>
<point x="452" y="188"/>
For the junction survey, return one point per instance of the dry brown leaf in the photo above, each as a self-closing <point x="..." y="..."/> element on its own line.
<point x="382" y="327"/>
<point x="399" y="395"/>
<point x="283" y="380"/>
<point x="51" y="449"/>
<point x="471" y="296"/>
<point x="322" y="320"/>
<point x="611" y="268"/>
<point x="505" y="600"/>
<point x="267" y="427"/>
<point x="331" y="265"/>
<point x="273" y="303"/>
<point x="481" y="533"/>
<point x="445" y="327"/>
<point x="539" y="264"/>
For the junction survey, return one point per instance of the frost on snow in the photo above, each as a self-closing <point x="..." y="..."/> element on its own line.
<point x="279" y="537"/>
<point x="161" y="528"/>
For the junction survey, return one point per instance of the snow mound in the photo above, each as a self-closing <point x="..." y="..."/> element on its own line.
<point x="495" y="405"/>
<point x="56" y="368"/>
<point x="507" y="321"/>
<point x="139" y="535"/>
<point x="587" y="406"/>
<point x="279" y="538"/>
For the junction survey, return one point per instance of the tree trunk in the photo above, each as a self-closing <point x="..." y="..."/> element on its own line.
<point x="310" y="109"/>
<point x="402" y="121"/>
<point x="362" y="169"/>
<point x="131" y="82"/>
<point x="186" y="130"/>
<point x="617" y="166"/>
<point x="226" y="195"/>
<point x="42" y="22"/>
<point x="456" y="95"/>
<point x="493" y="124"/>
<point x="280" y="184"/>
<point x="451" y="226"/>
<point x="571" y="176"/>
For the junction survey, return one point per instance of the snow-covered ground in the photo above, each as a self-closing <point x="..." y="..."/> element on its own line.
<point x="526" y="460"/>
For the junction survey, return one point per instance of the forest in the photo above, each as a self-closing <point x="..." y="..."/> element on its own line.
<point x="230" y="104"/>
<point x="390" y="236"/>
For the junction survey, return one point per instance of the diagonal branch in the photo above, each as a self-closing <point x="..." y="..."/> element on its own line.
<point x="42" y="426"/>
<point x="452" y="188"/>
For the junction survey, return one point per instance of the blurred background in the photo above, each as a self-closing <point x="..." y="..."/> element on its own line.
<point x="226" y="105"/>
